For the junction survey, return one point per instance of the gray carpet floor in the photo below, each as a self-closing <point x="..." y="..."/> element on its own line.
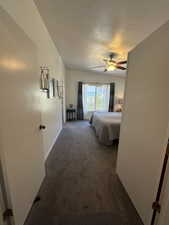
<point x="81" y="186"/>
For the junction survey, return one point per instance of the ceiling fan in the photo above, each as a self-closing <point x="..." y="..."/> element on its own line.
<point x="111" y="64"/>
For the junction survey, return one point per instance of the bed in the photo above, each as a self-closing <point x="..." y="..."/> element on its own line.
<point x="107" y="126"/>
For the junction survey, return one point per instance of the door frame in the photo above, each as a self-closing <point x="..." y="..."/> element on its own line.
<point x="164" y="198"/>
<point x="1" y="207"/>
<point x="4" y="196"/>
<point x="161" y="220"/>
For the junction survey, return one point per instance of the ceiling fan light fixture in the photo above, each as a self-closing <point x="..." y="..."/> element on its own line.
<point x="110" y="66"/>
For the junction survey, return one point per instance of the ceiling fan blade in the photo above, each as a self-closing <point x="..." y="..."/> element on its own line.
<point x="97" y="67"/>
<point x="120" y="67"/>
<point x="113" y="61"/>
<point x="122" y="62"/>
<point x="109" y="60"/>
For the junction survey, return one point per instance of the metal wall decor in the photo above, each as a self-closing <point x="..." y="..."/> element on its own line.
<point x="54" y="86"/>
<point x="44" y="78"/>
<point x="59" y="88"/>
<point x="51" y="93"/>
<point x="50" y="86"/>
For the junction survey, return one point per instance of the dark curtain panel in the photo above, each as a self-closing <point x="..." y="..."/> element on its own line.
<point x="80" y="115"/>
<point x="111" y="101"/>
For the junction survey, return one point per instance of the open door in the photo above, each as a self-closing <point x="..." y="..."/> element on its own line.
<point x="1" y="217"/>
<point x="20" y="139"/>
<point x="2" y="207"/>
<point x="163" y="216"/>
<point x="144" y="137"/>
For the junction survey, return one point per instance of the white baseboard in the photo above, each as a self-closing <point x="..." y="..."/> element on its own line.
<point x="57" y="135"/>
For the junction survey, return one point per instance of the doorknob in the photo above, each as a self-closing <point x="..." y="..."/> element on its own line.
<point x="42" y="127"/>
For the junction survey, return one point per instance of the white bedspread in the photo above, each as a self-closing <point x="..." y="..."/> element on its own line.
<point x="107" y="126"/>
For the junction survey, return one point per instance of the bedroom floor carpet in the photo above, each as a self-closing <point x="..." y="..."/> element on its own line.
<point x="81" y="186"/>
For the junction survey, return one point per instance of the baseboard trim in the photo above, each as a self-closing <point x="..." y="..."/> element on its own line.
<point x="57" y="135"/>
<point x="129" y="197"/>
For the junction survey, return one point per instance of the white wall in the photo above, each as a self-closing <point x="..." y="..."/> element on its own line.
<point x="28" y="18"/>
<point x="73" y="76"/>
<point x="143" y="136"/>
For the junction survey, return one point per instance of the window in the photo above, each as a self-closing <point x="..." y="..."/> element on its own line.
<point x="96" y="97"/>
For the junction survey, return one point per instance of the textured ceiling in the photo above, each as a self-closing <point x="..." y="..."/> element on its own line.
<point x="86" y="31"/>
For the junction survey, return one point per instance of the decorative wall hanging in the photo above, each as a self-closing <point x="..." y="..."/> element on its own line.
<point x="51" y="91"/>
<point x="54" y="87"/>
<point x="44" y="78"/>
<point x="59" y="88"/>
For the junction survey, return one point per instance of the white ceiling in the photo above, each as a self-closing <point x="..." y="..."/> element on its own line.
<point x="85" y="31"/>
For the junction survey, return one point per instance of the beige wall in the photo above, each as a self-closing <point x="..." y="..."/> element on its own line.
<point x="143" y="136"/>
<point x="28" y="18"/>
<point x="73" y="76"/>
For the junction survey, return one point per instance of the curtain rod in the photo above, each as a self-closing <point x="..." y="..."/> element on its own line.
<point x="95" y="83"/>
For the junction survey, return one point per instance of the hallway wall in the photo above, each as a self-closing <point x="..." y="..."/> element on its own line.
<point x="26" y="15"/>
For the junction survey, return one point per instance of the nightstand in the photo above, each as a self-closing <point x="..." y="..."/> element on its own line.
<point x="71" y="114"/>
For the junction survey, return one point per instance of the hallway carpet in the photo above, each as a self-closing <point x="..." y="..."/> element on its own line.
<point x="81" y="186"/>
